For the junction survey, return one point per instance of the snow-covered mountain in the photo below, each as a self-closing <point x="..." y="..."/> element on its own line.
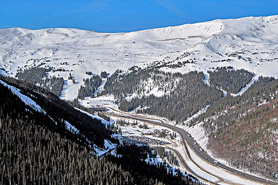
<point x="250" y="43"/>
<point x="218" y="98"/>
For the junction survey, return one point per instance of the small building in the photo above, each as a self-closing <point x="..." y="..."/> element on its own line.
<point x="98" y="109"/>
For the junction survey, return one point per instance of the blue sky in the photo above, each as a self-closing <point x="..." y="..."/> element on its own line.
<point x="125" y="15"/>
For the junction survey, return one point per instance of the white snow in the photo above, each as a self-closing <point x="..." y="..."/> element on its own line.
<point x="243" y="90"/>
<point x="101" y="87"/>
<point x="101" y="101"/>
<point x="103" y="121"/>
<point x="249" y="43"/>
<point x="224" y="92"/>
<point x="70" y="90"/>
<point x="220" y="172"/>
<point x="206" y="80"/>
<point x="70" y="127"/>
<point x="198" y="133"/>
<point x="25" y="99"/>
<point x="151" y="87"/>
<point x="196" y="169"/>
<point x="108" y="146"/>
<point x="202" y="111"/>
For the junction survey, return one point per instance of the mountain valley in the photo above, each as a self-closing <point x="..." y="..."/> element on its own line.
<point x="218" y="79"/>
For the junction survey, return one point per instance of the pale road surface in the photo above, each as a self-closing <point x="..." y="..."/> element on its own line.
<point x="188" y="141"/>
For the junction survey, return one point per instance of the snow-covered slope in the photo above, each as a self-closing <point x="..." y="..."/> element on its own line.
<point x="250" y="43"/>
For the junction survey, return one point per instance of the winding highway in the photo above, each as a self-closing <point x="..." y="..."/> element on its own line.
<point x="183" y="162"/>
<point x="188" y="141"/>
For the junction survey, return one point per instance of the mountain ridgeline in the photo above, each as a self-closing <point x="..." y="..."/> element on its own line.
<point x="37" y="147"/>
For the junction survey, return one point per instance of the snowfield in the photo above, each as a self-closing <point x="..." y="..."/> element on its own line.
<point x="250" y="43"/>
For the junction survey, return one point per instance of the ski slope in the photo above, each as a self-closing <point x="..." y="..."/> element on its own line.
<point x="250" y="43"/>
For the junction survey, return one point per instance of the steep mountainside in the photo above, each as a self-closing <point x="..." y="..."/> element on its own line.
<point x="243" y="129"/>
<point x="46" y="141"/>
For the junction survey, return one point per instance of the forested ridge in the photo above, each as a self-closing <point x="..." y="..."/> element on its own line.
<point x="243" y="129"/>
<point x="182" y="95"/>
<point x="38" y="76"/>
<point x="230" y="80"/>
<point x="36" y="148"/>
<point x="58" y="111"/>
<point x="178" y="91"/>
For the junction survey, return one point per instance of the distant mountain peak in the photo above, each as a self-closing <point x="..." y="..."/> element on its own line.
<point x="249" y="43"/>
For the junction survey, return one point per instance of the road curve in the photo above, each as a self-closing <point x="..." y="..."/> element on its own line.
<point x="189" y="141"/>
<point x="183" y="162"/>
